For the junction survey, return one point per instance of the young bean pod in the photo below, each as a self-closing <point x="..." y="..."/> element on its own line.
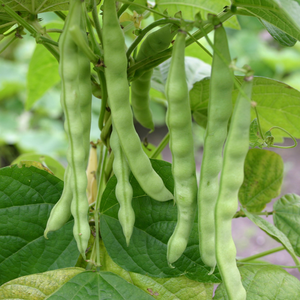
<point x="232" y="175"/>
<point x="124" y="190"/>
<point x="72" y="91"/>
<point x="61" y="212"/>
<point x="181" y="144"/>
<point x="154" y="43"/>
<point x="118" y="97"/>
<point x="219" y="111"/>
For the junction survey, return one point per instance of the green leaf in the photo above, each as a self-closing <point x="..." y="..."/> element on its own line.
<point x="273" y="232"/>
<point x="280" y="36"/>
<point x="154" y="224"/>
<point x="37" y="286"/>
<point x="28" y="6"/>
<point x="286" y="218"/>
<point x="42" y="74"/>
<point x="175" y="288"/>
<point x="27" y="196"/>
<point x="280" y="13"/>
<point x="99" y="285"/>
<point x="190" y="8"/>
<point x="278" y="104"/>
<point x="54" y="165"/>
<point x="263" y="174"/>
<point x="265" y="282"/>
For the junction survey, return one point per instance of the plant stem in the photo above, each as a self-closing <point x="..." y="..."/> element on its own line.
<point x="106" y="130"/>
<point x="147" y="29"/>
<point x="160" y="57"/>
<point x="241" y="214"/>
<point x="265" y="253"/>
<point x="123" y="8"/>
<point x="161" y="146"/>
<point x="103" y="98"/>
<point x="61" y="15"/>
<point x="96" y="21"/>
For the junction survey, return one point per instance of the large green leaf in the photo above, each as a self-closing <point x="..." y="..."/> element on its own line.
<point x="99" y="285"/>
<point x="154" y="224"/>
<point x="263" y="174"/>
<point x="42" y="74"/>
<point x="273" y="232"/>
<point x="37" y="286"/>
<point x="278" y="104"/>
<point x="287" y="218"/>
<point x="27" y="196"/>
<point x="284" y="14"/>
<point x="265" y="282"/>
<point x="190" y="8"/>
<point x="175" y="288"/>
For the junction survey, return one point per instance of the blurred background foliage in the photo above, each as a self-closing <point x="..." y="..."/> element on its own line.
<point x="31" y="119"/>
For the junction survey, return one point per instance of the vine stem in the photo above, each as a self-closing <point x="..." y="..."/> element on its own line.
<point x="123" y="8"/>
<point x="262" y="254"/>
<point x="240" y="214"/>
<point x="161" y="146"/>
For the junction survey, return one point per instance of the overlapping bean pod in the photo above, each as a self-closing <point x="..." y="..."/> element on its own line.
<point x="219" y="111"/>
<point x="232" y="175"/>
<point x="118" y="97"/>
<point x="74" y="69"/>
<point x="181" y="144"/>
<point x="124" y="190"/>
<point x="154" y="43"/>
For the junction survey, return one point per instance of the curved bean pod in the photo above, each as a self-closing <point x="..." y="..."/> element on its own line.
<point x="118" y="96"/>
<point x="179" y="122"/>
<point x="232" y="175"/>
<point x="219" y="111"/>
<point x="154" y="43"/>
<point x="71" y="95"/>
<point x="124" y="190"/>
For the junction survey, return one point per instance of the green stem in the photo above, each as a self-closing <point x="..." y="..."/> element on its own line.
<point x="144" y="7"/>
<point x="106" y="130"/>
<point x="240" y="214"/>
<point x="8" y="44"/>
<point x="284" y="147"/>
<point x="268" y="264"/>
<point x="18" y="18"/>
<point x="258" y="123"/>
<point x="160" y="57"/>
<point x="61" y="15"/>
<point x="123" y="8"/>
<point x="44" y="40"/>
<point x="147" y="29"/>
<point x="96" y="22"/>
<point x="201" y="46"/>
<point x="79" y="38"/>
<point x="262" y="254"/>
<point x="161" y="146"/>
<point x="103" y="99"/>
<point x="55" y="30"/>
<point x="109" y="166"/>
<point x="95" y="44"/>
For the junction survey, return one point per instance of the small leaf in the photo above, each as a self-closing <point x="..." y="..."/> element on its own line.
<point x="99" y="285"/>
<point x="27" y="196"/>
<point x="287" y="218"/>
<point x="263" y="174"/>
<point x="273" y="232"/>
<point x="265" y="282"/>
<point x="37" y="286"/>
<point x="154" y="224"/>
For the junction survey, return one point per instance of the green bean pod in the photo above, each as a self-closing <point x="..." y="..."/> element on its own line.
<point x="115" y="62"/>
<point x="181" y="144"/>
<point x="154" y="43"/>
<point x="232" y="175"/>
<point x="71" y="93"/>
<point x="61" y="212"/>
<point x="124" y="190"/>
<point x="219" y="111"/>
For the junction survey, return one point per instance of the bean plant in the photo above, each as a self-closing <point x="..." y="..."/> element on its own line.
<point x="119" y="222"/>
